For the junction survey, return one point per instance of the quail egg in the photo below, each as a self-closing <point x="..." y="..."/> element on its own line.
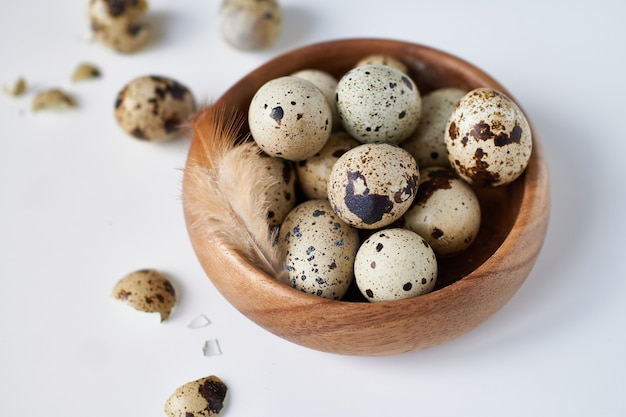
<point x="394" y="264"/>
<point x="325" y="82"/>
<point x="116" y="24"/>
<point x="382" y="59"/>
<point x="203" y="397"/>
<point x="250" y="24"/>
<point x="488" y="138"/>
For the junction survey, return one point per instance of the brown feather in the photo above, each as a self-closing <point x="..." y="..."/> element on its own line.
<point x="226" y="189"/>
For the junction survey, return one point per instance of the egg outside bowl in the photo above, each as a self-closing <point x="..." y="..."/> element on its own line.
<point x="471" y="287"/>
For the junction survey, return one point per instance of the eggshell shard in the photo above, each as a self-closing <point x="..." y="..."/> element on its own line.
<point x="378" y="103"/>
<point x="446" y="211"/>
<point x="427" y="143"/>
<point x="319" y="249"/>
<point x="53" y="99"/>
<point x="116" y="24"/>
<point x="85" y="72"/>
<point x="313" y="173"/>
<point x="153" y="108"/>
<point x="250" y="24"/>
<point x="290" y="118"/>
<point x="203" y="397"/>
<point x="381" y="59"/>
<point x="395" y="264"/>
<point x="488" y="138"/>
<point x="373" y="185"/>
<point x="147" y="290"/>
<point x="16" y="88"/>
<point x="326" y="83"/>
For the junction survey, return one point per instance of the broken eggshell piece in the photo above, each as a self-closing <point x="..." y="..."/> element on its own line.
<point x="200" y="398"/>
<point x="147" y="290"/>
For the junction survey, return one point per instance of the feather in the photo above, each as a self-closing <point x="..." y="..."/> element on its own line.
<point x="226" y="190"/>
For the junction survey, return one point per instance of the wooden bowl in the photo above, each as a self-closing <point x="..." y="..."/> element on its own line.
<point x="471" y="287"/>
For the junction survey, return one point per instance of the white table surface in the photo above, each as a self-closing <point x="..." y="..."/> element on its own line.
<point x="82" y="204"/>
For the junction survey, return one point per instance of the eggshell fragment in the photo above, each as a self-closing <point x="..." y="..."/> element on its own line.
<point x="250" y="24"/>
<point x="319" y="249"/>
<point x="373" y="185"/>
<point x="85" y="72"/>
<point x="446" y="211"/>
<point x="53" y="99"/>
<point x="147" y="290"/>
<point x="153" y="107"/>
<point x="116" y="24"/>
<point x="203" y="397"/>
<point x="16" y="88"/>
<point x="378" y="103"/>
<point x="488" y="138"/>
<point x="395" y="264"/>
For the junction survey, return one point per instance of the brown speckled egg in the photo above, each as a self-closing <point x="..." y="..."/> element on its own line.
<point x="445" y="212"/>
<point x="281" y="196"/>
<point x="250" y="24"/>
<point x="116" y="24"/>
<point x="203" y="397"/>
<point x="488" y="138"/>
<point x="326" y="83"/>
<point x="152" y="108"/>
<point x="395" y="264"/>
<point x="378" y="103"/>
<point x="381" y="59"/>
<point x="313" y="173"/>
<point x="319" y="249"/>
<point x="373" y="185"/>
<point x="290" y="118"/>
<point x="147" y="290"/>
<point x="427" y="144"/>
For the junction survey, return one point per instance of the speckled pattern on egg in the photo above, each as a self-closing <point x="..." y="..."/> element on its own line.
<point x="378" y="103"/>
<point x="319" y="249"/>
<point x="203" y="397"/>
<point x="326" y="83"/>
<point x="289" y="117"/>
<point x="313" y="173"/>
<point x="488" y="138"/>
<point x="147" y="290"/>
<point x="372" y="185"/>
<point x="445" y="212"/>
<point x="250" y="24"/>
<point x="116" y="24"/>
<point x="427" y="144"/>
<point x="153" y="107"/>
<point x="395" y="264"/>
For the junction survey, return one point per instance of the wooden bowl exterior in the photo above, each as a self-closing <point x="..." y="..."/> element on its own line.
<point x="471" y="292"/>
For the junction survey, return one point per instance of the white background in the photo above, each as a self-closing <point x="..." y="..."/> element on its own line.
<point x="82" y="204"/>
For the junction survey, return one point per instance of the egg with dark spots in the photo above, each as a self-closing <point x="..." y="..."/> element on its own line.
<point x="204" y="397"/>
<point x="319" y="250"/>
<point x="326" y="83"/>
<point x="117" y="24"/>
<point x="395" y="264"/>
<point x="382" y="59"/>
<point x="147" y="290"/>
<point x="378" y="104"/>
<point x="488" y="138"/>
<point x="289" y="117"/>
<point x="373" y="185"/>
<point x="153" y="108"/>
<point x="446" y="211"/>
<point x="250" y="25"/>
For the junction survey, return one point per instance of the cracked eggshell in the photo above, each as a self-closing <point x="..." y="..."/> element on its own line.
<point x="116" y="24"/>
<point x="326" y="83"/>
<point x="147" y="290"/>
<point x="319" y="249"/>
<point x="378" y="103"/>
<point x="427" y="143"/>
<point x="153" y="107"/>
<point x="203" y="397"/>
<point x="373" y="185"/>
<point x="250" y="24"/>
<point x="488" y="138"/>
<point x="445" y="212"/>
<point x="290" y="118"/>
<point x="313" y="173"/>
<point x="395" y="264"/>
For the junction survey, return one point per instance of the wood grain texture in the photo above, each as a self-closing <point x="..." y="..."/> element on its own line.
<point x="472" y="286"/>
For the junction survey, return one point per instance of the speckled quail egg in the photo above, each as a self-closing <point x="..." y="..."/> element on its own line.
<point x="427" y="144"/>
<point x="203" y="397"/>
<point x="395" y="264"/>
<point x="378" y="103"/>
<point x="488" y="138"/>
<point x="147" y="290"/>
<point x="152" y="108"/>
<point x="325" y="82"/>
<point x="289" y="117"/>
<point x="382" y="59"/>
<point x="445" y="212"/>
<point x="319" y="249"/>
<point x="250" y="24"/>
<point x="116" y="24"/>
<point x="373" y="185"/>
<point x="281" y="195"/>
<point x="313" y="173"/>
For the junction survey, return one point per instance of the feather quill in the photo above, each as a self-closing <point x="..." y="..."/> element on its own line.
<point x="226" y="190"/>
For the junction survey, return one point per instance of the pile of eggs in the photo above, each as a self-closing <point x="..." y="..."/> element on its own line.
<point x="386" y="175"/>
